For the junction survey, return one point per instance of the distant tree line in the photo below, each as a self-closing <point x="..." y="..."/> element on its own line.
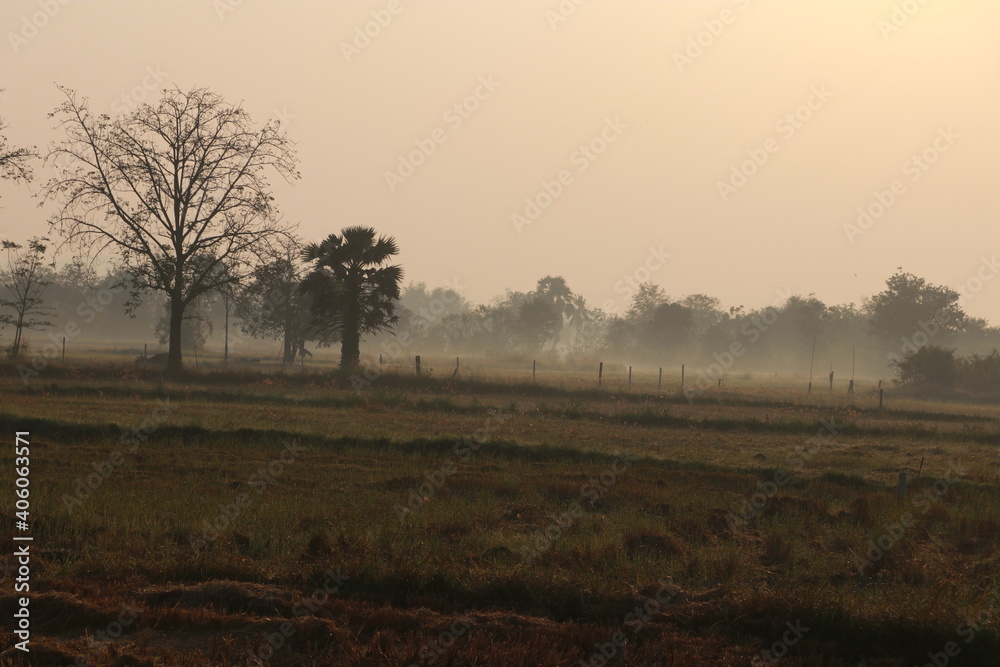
<point x="174" y="196"/>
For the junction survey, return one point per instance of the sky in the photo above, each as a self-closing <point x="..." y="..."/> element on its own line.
<point x="737" y="148"/>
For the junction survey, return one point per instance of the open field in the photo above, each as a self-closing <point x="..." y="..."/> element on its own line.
<point x="485" y="520"/>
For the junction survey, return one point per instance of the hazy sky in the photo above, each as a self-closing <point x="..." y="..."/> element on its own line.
<point x="629" y="123"/>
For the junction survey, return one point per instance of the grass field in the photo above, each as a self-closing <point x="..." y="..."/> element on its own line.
<point x="260" y="518"/>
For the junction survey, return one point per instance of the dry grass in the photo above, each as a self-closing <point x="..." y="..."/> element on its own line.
<point x="648" y="550"/>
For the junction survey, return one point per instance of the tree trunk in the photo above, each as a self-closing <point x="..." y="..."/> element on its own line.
<point x="15" y="349"/>
<point x="289" y="357"/>
<point x="350" y="347"/>
<point x="174" y="363"/>
<point x="225" y="354"/>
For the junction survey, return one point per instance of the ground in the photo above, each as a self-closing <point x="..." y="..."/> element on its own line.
<point x="255" y="517"/>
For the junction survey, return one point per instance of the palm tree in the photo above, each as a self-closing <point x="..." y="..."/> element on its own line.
<point x="353" y="287"/>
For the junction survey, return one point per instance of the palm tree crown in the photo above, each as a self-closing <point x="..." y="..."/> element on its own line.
<point x="354" y="289"/>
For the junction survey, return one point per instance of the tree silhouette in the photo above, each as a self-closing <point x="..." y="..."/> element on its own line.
<point x="273" y="305"/>
<point x="24" y="282"/>
<point x="14" y="162"/>
<point x="354" y="290"/>
<point x="910" y="306"/>
<point x="177" y="191"/>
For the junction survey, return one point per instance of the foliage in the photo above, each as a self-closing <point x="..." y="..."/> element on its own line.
<point x="15" y="163"/>
<point x="932" y="365"/>
<point x="273" y="305"/>
<point x="910" y="307"/>
<point x="24" y="281"/>
<point x="354" y="289"/>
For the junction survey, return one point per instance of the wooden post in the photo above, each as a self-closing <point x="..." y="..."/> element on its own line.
<point x="880" y="391"/>
<point x="533" y="370"/>
<point x="659" y="384"/>
<point x="630" y="378"/>
<point x="418" y="364"/>
<point x="902" y="484"/>
<point x="682" y="377"/>
<point x="600" y="374"/>
<point x="145" y="352"/>
<point x="811" y="360"/>
<point x="850" y="387"/>
<point x="456" y="362"/>
<point x="921" y="469"/>
<point x="380" y="360"/>
<point x="64" y="349"/>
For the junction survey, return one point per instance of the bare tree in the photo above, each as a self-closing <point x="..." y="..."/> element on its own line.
<point x="15" y="163"/>
<point x="177" y="191"/>
<point x="24" y="282"/>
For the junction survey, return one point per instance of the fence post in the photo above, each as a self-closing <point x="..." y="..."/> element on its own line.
<point x="659" y="384"/>
<point x="532" y="370"/>
<point x="64" y="349"/>
<point x="418" y="364"/>
<point x="682" y="377"/>
<point x="380" y="360"/>
<point x="880" y="392"/>
<point x="630" y="378"/>
<point x="600" y="374"/>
